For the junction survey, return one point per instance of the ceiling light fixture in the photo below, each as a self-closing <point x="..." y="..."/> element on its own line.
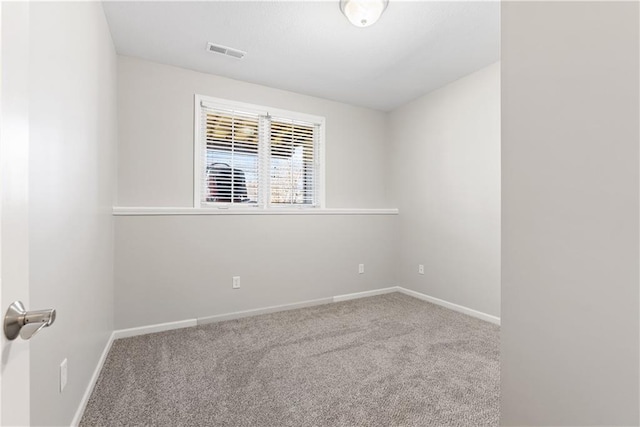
<point x="363" y="13"/>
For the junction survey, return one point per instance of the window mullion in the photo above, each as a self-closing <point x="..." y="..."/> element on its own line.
<point x="264" y="147"/>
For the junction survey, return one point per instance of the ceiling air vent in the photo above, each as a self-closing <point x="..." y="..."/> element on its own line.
<point x="234" y="53"/>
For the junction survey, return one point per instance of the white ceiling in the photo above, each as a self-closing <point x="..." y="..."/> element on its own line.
<point x="311" y="48"/>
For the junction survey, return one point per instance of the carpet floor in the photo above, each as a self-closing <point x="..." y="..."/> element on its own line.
<point x="388" y="360"/>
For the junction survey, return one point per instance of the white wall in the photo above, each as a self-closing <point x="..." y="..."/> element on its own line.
<point x="172" y="268"/>
<point x="72" y="169"/>
<point x="446" y="172"/>
<point x="570" y="198"/>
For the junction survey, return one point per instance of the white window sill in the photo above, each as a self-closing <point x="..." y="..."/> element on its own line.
<point x="150" y="211"/>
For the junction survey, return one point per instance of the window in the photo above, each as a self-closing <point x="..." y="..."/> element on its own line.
<point x="251" y="156"/>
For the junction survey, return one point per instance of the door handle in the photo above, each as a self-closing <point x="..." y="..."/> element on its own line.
<point x="19" y="321"/>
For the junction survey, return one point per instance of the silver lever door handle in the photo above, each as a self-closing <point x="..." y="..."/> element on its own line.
<point x="19" y="321"/>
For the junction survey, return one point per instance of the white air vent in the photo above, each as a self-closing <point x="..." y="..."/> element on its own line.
<point x="224" y="50"/>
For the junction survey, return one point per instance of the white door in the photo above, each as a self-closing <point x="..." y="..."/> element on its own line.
<point x="14" y="162"/>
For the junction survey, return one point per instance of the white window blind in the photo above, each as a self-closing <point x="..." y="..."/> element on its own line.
<point x="247" y="158"/>
<point x="293" y="162"/>
<point x="231" y="158"/>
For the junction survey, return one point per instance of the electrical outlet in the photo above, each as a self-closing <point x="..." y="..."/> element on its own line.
<point x="360" y="268"/>
<point x="236" y="282"/>
<point x="421" y="269"/>
<point x="63" y="375"/>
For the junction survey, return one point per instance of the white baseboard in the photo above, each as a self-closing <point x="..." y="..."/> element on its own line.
<point x="150" y="329"/>
<point x="459" y="308"/>
<point x="265" y="310"/>
<point x="92" y="382"/>
<point x="161" y="327"/>
<point x="364" y="294"/>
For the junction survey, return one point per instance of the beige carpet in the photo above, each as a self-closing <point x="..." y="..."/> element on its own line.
<point x="389" y="360"/>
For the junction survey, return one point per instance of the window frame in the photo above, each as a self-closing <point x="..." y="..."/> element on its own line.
<point x="198" y="151"/>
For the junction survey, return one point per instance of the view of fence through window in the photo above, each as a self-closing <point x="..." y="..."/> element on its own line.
<point x="292" y="162"/>
<point x="246" y="164"/>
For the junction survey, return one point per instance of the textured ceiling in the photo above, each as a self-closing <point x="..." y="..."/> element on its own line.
<point x="311" y="48"/>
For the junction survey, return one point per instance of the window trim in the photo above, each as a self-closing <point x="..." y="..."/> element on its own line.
<point x="261" y="110"/>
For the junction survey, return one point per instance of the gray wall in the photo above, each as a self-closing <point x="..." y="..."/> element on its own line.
<point x="14" y="218"/>
<point x="446" y="173"/>
<point x="172" y="268"/>
<point x="155" y="156"/>
<point x="570" y="213"/>
<point x="180" y="267"/>
<point x="72" y="156"/>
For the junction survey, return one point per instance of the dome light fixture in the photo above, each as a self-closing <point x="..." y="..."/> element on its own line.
<point x="363" y="13"/>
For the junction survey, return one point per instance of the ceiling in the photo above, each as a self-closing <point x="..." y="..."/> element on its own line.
<point x="311" y="48"/>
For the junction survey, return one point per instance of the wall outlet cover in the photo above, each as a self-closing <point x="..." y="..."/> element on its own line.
<point x="236" y="282"/>
<point x="421" y="269"/>
<point x="360" y="268"/>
